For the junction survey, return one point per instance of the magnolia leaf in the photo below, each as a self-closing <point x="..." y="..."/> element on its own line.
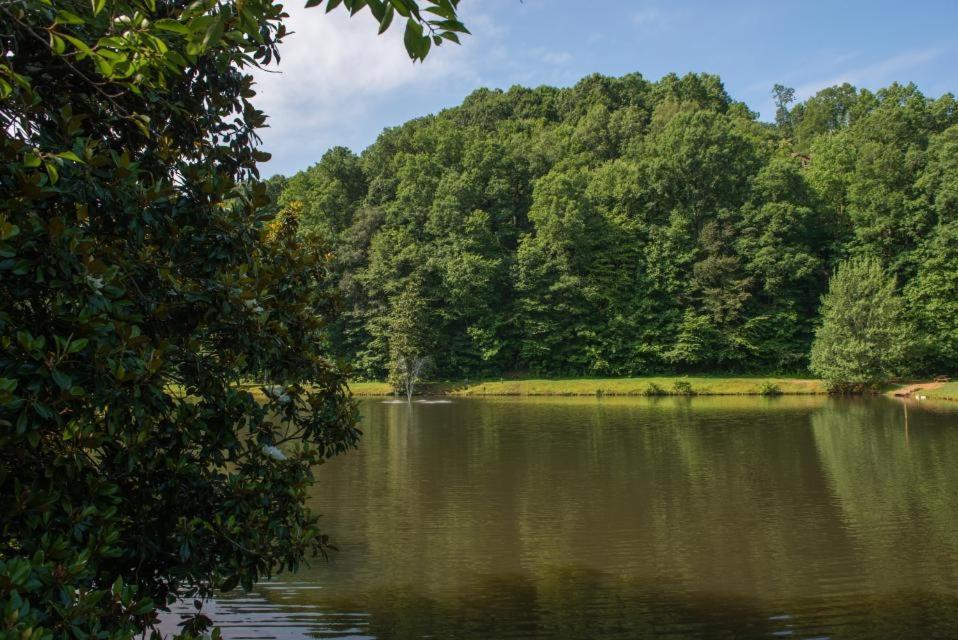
<point x="52" y="172"/>
<point x="61" y="379"/>
<point x="81" y="46"/>
<point x="387" y="19"/>
<point x="167" y="24"/>
<point x="412" y="38"/>
<point x="66" y="17"/>
<point x="58" y="44"/>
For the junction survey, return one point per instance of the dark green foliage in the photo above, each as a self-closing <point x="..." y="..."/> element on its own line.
<point x="933" y="300"/>
<point x="329" y="190"/>
<point x="142" y="275"/>
<point x="865" y="338"/>
<point x="630" y="227"/>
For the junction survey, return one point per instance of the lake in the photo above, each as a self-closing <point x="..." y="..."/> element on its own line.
<point x="804" y="517"/>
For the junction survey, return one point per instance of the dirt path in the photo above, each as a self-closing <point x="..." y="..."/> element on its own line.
<point x="908" y="389"/>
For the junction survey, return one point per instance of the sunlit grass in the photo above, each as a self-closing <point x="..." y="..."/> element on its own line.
<point x="371" y="388"/>
<point x="653" y="385"/>
<point x="947" y="391"/>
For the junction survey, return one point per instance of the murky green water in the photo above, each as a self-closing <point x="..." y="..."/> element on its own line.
<point x="632" y="518"/>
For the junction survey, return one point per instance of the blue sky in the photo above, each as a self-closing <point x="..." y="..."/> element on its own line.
<point x="340" y="84"/>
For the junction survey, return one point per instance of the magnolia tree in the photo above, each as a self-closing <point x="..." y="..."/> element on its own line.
<point x="140" y="279"/>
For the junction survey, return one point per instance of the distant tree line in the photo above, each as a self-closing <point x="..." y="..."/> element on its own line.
<point x="623" y="227"/>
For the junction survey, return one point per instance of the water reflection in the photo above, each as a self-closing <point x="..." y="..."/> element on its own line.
<point x="896" y="484"/>
<point x="673" y="517"/>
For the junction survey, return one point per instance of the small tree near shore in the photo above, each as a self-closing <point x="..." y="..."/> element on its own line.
<point x="864" y="339"/>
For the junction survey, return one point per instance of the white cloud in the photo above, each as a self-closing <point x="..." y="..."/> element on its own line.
<point x="332" y="70"/>
<point x="819" y="59"/>
<point x="880" y="73"/>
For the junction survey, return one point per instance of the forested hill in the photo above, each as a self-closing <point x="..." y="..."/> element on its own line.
<point x="623" y="226"/>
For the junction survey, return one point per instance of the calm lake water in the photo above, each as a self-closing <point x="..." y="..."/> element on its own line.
<point x="631" y="518"/>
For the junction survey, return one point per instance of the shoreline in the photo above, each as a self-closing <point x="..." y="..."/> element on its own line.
<point x="650" y="386"/>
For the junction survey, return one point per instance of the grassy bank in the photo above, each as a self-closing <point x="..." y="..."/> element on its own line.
<point x="946" y="391"/>
<point x="653" y="385"/>
<point x="371" y="388"/>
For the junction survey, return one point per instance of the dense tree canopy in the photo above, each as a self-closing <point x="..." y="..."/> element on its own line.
<point x="142" y="278"/>
<point x="623" y="226"/>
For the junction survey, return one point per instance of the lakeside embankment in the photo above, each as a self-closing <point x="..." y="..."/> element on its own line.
<point x="644" y="386"/>
<point x="942" y="391"/>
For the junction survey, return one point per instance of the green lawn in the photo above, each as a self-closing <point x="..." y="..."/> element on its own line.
<point x="947" y="391"/>
<point x="700" y="385"/>
<point x="371" y="388"/>
<point x="666" y="385"/>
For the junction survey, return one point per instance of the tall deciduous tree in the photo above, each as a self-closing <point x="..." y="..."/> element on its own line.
<point x="783" y="96"/>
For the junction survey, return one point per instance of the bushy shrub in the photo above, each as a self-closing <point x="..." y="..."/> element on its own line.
<point x="653" y="390"/>
<point x="769" y="388"/>
<point x="865" y="338"/>
<point x="683" y="388"/>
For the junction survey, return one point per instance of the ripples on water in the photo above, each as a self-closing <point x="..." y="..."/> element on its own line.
<point x="631" y="518"/>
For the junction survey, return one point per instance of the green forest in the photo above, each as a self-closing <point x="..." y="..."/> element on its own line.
<point x="178" y="337"/>
<point x="627" y="227"/>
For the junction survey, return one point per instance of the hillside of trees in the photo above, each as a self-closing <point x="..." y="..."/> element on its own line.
<point x="627" y="227"/>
